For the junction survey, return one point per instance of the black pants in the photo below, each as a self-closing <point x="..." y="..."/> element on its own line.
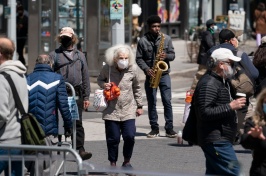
<point x="80" y="130"/>
<point x="20" y="46"/>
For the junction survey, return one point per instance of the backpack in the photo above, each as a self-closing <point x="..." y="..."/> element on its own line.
<point x="31" y="131"/>
<point x="242" y="80"/>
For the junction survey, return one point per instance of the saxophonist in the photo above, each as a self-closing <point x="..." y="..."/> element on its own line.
<point x="148" y="49"/>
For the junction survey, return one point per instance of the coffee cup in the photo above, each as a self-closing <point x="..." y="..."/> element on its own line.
<point x="240" y="95"/>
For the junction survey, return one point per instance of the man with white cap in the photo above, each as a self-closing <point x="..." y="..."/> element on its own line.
<point x="71" y="63"/>
<point x="216" y="116"/>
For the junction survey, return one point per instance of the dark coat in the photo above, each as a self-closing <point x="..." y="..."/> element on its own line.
<point x="207" y="41"/>
<point x="147" y="50"/>
<point x="258" y="165"/>
<point x="47" y="94"/>
<point x="216" y="120"/>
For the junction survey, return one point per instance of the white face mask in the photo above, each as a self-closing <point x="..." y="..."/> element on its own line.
<point x="215" y="28"/>
<point x="229" y="73"/>
<point x="122" y="63"/>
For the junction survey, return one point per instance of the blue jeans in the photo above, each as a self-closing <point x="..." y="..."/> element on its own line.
<point x="113" y="131"/>
<point x="220" y="159"/>
<point x="16" y="166"/>
<point x="166" y="94"/>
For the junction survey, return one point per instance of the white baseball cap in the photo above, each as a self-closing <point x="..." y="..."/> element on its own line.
<point x="223" y="54"/>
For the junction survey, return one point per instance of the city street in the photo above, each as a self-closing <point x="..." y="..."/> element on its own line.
<point x="160" y="155"/>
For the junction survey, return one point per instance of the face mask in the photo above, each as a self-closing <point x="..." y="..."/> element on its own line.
<point x="264" y="108"/>
<point x="66" y="42"/>
<point x="214" y="28"/>
<point x="122" y="64"/>
<point x="229" y="73"/>
<point x="20" y="14"/>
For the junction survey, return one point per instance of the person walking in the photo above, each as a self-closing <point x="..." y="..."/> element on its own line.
<point x="228" y="39"/>
<point x="22" y="32"/>
<point x="259" y="62"/>
<point x="120" y="114"/>
<point x="148" y="51"/>
<point x="9" y="114"/>
<point x="216" y="116"/>
<point x="207" y="41"/>
<point x="254" y="136"/>
<point x="47" y="95"/>
<point x="72" y="65"/>
<point x="260" y="21"/>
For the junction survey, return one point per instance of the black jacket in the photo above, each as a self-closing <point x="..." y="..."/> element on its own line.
<point x="147" y="50"/>
<point x="207" y="41"/>
<point x="258" y="166"/>
<point x="216" y="120"/>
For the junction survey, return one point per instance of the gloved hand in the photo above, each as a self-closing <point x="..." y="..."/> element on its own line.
<point x="68" y="132"/>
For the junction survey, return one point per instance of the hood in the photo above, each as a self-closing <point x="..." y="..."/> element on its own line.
<point x="223" y="45"/>
<point x="15" y="66"/>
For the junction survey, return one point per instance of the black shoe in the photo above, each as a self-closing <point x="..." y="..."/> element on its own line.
<point x="128" y="166"/>
<point x="153" y="134"/>
<point x="171" y="133"/>
<point x="85" y="155"/>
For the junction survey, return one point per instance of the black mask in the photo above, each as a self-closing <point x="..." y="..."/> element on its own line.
<point x="66" y="41"/>
<point x="20" y="14"/>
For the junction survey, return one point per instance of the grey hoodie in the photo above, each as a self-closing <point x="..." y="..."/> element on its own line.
<point x="9" y="126"/>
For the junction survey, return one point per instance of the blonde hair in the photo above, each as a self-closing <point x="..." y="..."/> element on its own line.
<point x="259" y="115"/>
<point x="113" y="52"/>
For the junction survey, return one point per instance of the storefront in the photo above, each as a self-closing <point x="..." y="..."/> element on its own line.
<point x="89" y="19"/>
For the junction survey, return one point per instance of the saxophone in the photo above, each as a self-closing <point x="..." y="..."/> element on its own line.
<point x="158" y="66"/>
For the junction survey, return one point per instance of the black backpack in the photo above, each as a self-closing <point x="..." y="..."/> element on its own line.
<point x="31" y="131"/>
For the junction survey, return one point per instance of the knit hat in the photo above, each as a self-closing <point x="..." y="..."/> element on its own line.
<point x="153" y="19"/>
<point x="209" y="23"/>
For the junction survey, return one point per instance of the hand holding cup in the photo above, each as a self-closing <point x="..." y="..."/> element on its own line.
<point x="239" y="102"/>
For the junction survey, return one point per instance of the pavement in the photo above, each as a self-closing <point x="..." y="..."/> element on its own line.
<point x="161" y="155"/>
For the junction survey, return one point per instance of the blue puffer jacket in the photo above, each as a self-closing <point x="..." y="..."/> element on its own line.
<point x="47" y="94"/>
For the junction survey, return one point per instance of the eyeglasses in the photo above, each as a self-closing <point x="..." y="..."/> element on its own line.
<point x="228" y="62"/>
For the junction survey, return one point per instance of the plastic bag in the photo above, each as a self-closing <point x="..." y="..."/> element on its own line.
<point x="99" y="101"/>
<point x="73" y="108"/>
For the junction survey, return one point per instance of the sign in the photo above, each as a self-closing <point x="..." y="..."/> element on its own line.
<point x="7" y="11"/>
<point x="236" y="20"/>
<point x="116" y="9"/>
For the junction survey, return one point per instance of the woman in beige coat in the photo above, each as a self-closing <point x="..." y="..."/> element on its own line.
<point x="121" y="113"/>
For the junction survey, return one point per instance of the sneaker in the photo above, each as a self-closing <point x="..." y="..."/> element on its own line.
<point x="171" y="133"/>
<point x="153" y="134"/>
<point x="85" y="155"/>
<point x="128" y="166"/>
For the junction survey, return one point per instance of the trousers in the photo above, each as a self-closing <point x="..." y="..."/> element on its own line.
<point x="220" y="159"/>
<point x="166" y="95"/>
<point x="113" y="131"/>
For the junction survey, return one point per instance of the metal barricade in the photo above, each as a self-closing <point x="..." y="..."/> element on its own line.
<point x="44" y="153"/>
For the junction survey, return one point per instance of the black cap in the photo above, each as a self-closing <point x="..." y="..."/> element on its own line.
<point x="153" y="19"/>
<point x="225" y="35"/>
<point x="209" y="23"/>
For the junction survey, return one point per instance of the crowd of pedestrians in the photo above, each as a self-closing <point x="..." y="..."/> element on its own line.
<point x="220" y="114"/>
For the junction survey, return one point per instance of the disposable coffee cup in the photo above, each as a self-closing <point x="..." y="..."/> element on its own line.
<point x="239" y="95"/>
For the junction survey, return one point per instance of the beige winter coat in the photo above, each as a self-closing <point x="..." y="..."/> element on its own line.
<point x="123" y="108"/>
